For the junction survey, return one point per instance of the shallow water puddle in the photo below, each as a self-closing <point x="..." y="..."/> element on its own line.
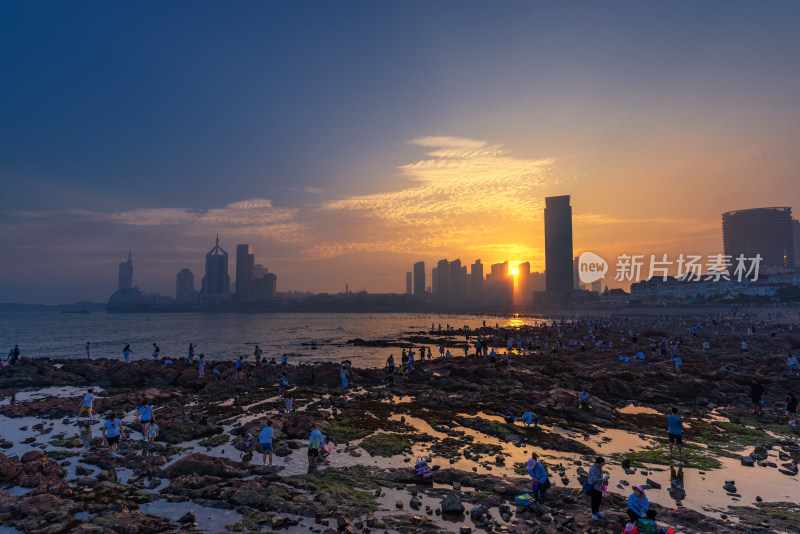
<point x="209" y="519"/>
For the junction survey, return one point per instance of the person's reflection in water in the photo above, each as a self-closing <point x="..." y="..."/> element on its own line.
<point x="112" y="475"/>
<point x="86" y="435"/>
<point x="676" y="488"/>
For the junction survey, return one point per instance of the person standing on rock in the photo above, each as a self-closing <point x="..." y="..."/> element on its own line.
<point x="88" y="350"/>
<point x="675" y="430"/>
<point x="583" y="400"/>
<point x="344" y="373"/>
<point x="156" y="352"/>
<point x="265" y="438"/>
<point x="598" y="482"/>
<point x="191" y="352"/>
<point x="757" y="396"/>
<point x="315" y="443"/>
<point x="791" y="361"/>
<point x="152" y="434"/>
<point x="201" y="364"/>
<point x="678" y="364"/>
<point x="791" y="409"/>
<point x="390" y="364"/>
<point x="112" y="431"/>
<point x="283" y="381"/>
<point x="86" y="405"/>
<point x="239" y="368"/>
<point x="126" y="353"/>
<point x="257" y="353"/>
<point x="146" y="411"/>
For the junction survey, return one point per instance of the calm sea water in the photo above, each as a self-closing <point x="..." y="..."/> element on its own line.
<point x="221" y="336"/>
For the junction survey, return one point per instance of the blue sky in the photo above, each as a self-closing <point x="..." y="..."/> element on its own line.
<point x="149" y="125"/>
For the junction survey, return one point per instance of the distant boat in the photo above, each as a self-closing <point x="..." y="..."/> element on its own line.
<point x="75" y="311"/>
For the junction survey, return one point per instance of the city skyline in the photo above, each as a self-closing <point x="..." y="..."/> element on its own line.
<point x="342" y="163"/>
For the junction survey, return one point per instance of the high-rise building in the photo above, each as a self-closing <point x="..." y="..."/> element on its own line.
<point x="264" y="288"/>
<point x="443" y="280"/>
<point x="216" y="282"/>
<point x="476" y="280"/>
<point x="597" y="286"/>
<point x="259" y="271"/>
<point x="764" y="231"/>
<point x="409" y="283"/>
<point x="434" y="278"/>
<point x="419" y="278"/>
<point x="558" y="246"/>
<point x="499" y="284"/>
<point x="245" y="262"/>
<point x="458" y="281"/>
<point x="524" y="290"/>
<point x="796" y="234"/>
<point x="184" y="287"/>
<point x="126" y="274"/>
<point x="576" y="279"/>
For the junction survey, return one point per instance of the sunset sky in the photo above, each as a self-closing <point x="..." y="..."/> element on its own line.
<point x="347" y="140"/>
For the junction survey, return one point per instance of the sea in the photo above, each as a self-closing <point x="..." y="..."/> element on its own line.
<point x="305" y="337"/>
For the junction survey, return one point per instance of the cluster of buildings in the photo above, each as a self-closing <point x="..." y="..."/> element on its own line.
<point x="771" y="233"/>
<point x="505" y="284"/>
<point x="254" y="285"/>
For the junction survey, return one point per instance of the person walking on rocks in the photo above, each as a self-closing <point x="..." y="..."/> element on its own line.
<point x="791" y="409"/>
<point x="146" y="411"/>
<point x="265" y="438"/>
<point x="675" y="430"/>
<point x="86" y="405"/>
<point x="112" y="431"/>
<point x="390" y="364"/>
<point x="757" y="396"/>
<point x="315" y="443"/>
<point x="152" y="434"/>
<point x="598" y="482"/>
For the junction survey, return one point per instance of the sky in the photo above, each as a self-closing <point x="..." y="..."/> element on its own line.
<point x="347" y="140"/>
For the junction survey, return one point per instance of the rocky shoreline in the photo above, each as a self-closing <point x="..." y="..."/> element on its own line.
<point x="58" y="479"/>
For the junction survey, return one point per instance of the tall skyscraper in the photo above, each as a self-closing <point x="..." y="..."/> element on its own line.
<point x="216" y="282"/>
<point x="126" y="274"/>
<point x="558" y="246"/>
<point x="419" y="278"/>
<point x="764" y="231"/>
<point x="476" y="280"/>
<point x="458" y="281"/>
<point x="576" y="279"/>
<point x="184" y="287"/>
<point x="443" y="280"/>
<point x="245" y="262"/>
<point x="524" y="289"/>
<point x="409" y="283"/>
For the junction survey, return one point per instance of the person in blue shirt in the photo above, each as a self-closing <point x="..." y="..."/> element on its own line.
<point x="284" y="360"/>
<point x="126" y="353"/>
<point x="239" y="368"/>
<point x="146" y="411"/>
<point x="639" y="506"/>
<point x="538" y="474"/>
<point x="315" y="442"/>
<point x="112" y="430"/>
<point x="583" y="399"/>
<point x="530" y="418"/>
<point x="216" y="374"/>
<point x="675" y="425"/>
<point x="191" y="352"/>
<point x="265" y="438"/>
<point x="201" y="364"/>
